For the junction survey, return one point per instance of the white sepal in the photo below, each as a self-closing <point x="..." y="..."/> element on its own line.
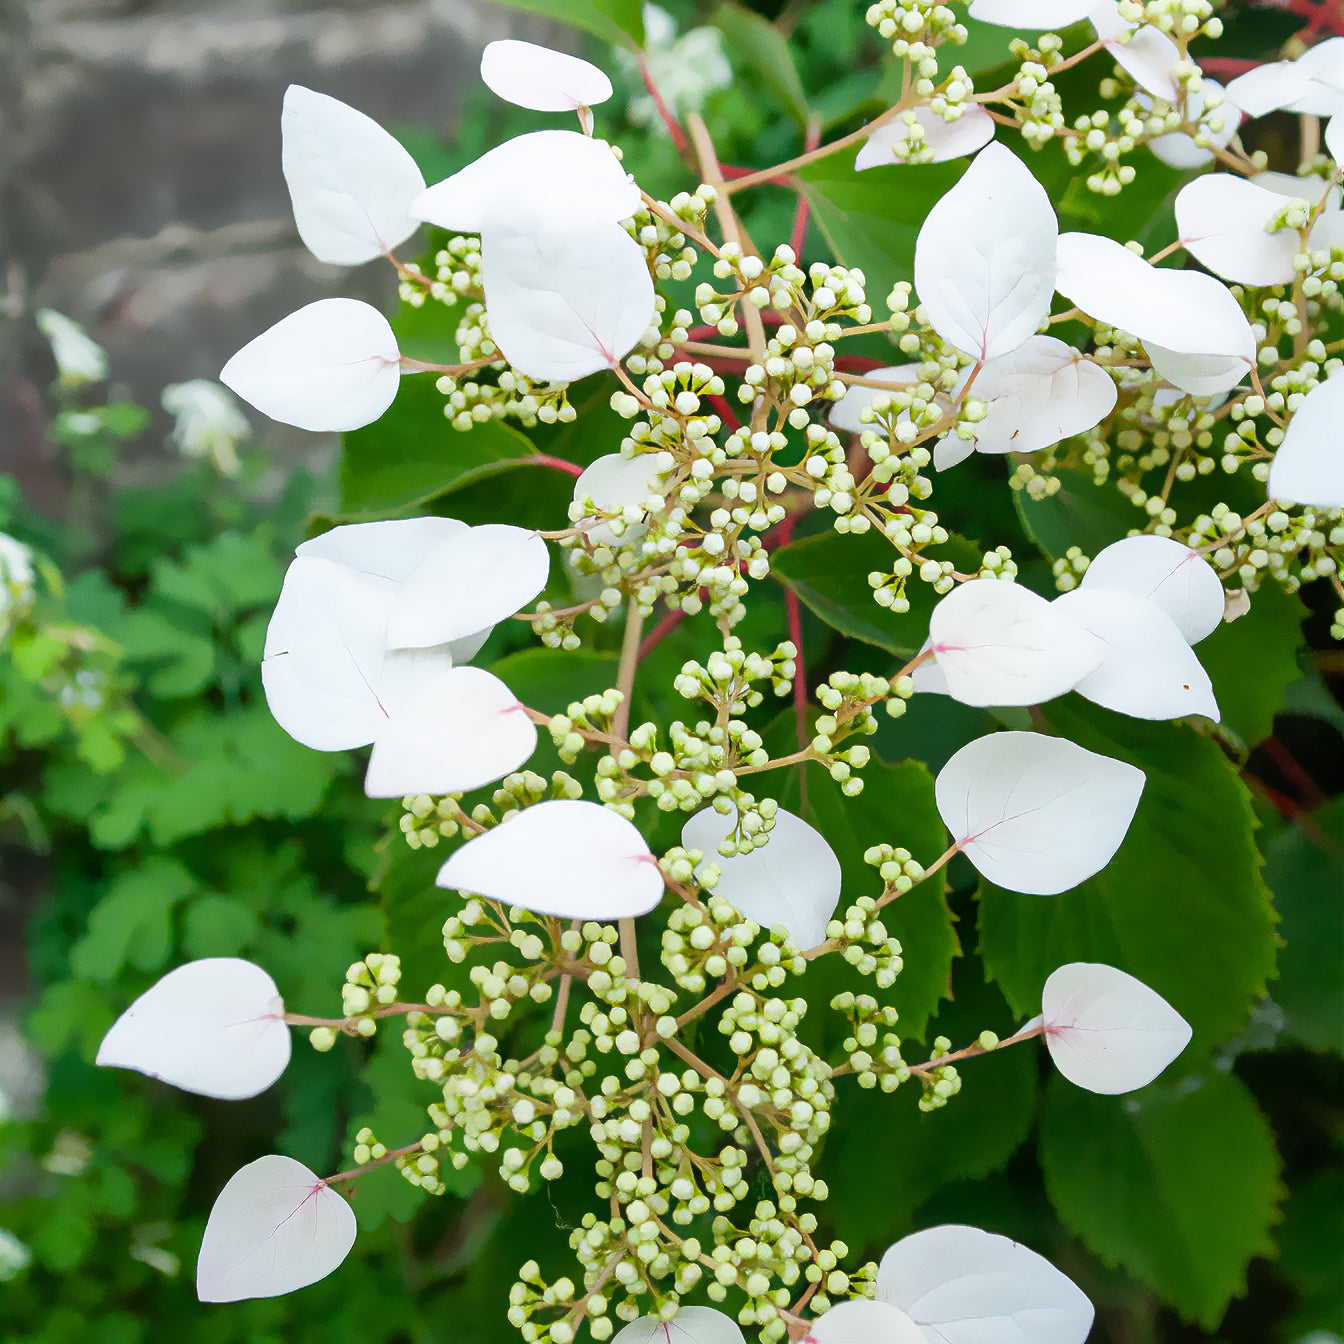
<point x="351" y="183"/>
<point x="1200" y="375"/>
<point x="564" y="300"/>
<point x="214" y="1027"/>
<point x="275" y="1227"/>
<point x="1150" y="671"/>
<point x="691" y="1325"/>
<point x="541" y="79"/>
<point x="576" y="860"/>
<point x="387" y="550"/>
<point x="1223" y="223"/>
<point x="1031" y="14"/>
<point x="468" y="582"/>
<point x="1167" y="572"/>
<point x="1036" y="814"/>
<point x="460" y="730"/>
<point x="1106" y="1031"/>
<point x="985" y="257"/>
<point x="864" y="1322"/>
<point x="614" y="483"/>
<point x="1150" y="59"/>
<point x="794" y="880"/>
<point x="332" y="366"/>
<point x="961" y="1285"/>
<point x="999" y="643"/>
<point x="890" y="143"/>
<point x="1308" y="466"/>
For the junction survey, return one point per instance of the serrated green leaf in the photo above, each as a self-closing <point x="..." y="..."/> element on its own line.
<point x="1081" y="513"/>
<point x="551" y="680"/>
<point x="1304" y="867"/>
<point x="757" y="43"/>
<point x="1181" y="906"/>
<point x="620" y="22"/>
<point x="412" y="454"/>
<point x="132" y="925"/>
<point x="1178" y="1184"/>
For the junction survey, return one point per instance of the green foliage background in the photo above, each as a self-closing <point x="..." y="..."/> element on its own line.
<point x="177" y="821"/>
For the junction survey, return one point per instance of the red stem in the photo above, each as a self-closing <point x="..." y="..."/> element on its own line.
<point x="677" y="134"/>
<point x="555" y="463"/>
<point x="660" y="632"/>
<point x="798" y="238"/>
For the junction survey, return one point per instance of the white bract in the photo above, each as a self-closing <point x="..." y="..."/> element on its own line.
<point x="857" y="399"/>
<point x="467" y="583"/>
<point x="864" y="1322"/>
<point x="1308" y="466"/>
<point x="561" y="174"/>
<point x="459" y="730"/>
<point x="541" y="79"/>
<point x="892" y="142"/>
<point x="985" y="257"/>
<point x="1313" y="84"/>
<point x="1036" y="814"/>
<point x="1106" y="1031"/>
<point x="1031" y="14"/>
<point x="1192" y="327"/>
<point x="275" y="1227"/>
<point x="577" y="860"/>
<point x="564" y="298"/>
<point x="616" y="484"/>
<point x="1224" y="224"/>
<point x="1167" y="572"/>
<point x="691" y="1325"/>
<point x="208" y="424"/>
<point x="793" y="880"/>
<point x="332" y="366"/>
<point x="1042" y="392"/>
<point x="1149" y="670"/>
<point x="214" y="1027"/>
<point x="1150" y="58"/>
<point x="961" y="1285"/>
<point x="350" y="182"/>
<point x="999" y="643"/>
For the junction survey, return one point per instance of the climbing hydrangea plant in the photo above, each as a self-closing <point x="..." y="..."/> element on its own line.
<point x="663" y="1008"/>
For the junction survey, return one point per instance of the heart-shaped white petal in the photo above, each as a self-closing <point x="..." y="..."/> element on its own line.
<point x="1200" y="375"/>
<point x="1312" y="85"/>
<point x="1031" y="14"/>
<point x="215" y="1027"/>
<point x="458" y="731"/>
<point x="331" y="366"/>
<point x="985" y="257"/>
<point x="1182" y="311"/>
<point x="1001" y="644"/>
<point x="573" y="859"/>
<point x="793" y="880"/>
<point x="1179" y="150"/>
<point x="1042" y="392"/>
<point x="864" y="1322"/>
<point x="1167" y="572"/>
<point x="275" y="1227"/>
<point x="961" y="1285"/>
<point x="1036" y="814"/>
<point x="613" y="483"/>
<point x="1107" y="1031"/>
<point x="691" y="1325"/>
<point x="467" y="583"/>
<point x="1308" y="466"/>
<point x="351" y="183"/>
<point x="1149" y="58"/>
<point x="1223" y="220"/>
<point x="845" y="413"/>
<point x="564" y="300"/>
<point x="562" y="174"/>
<point x="329" y="678"/>
<point x="1266" y="88"/>
<point x="388" y="550"/>
<point x="889" y="144"/>
<point x="541" y="79"/>
<point x="1149" y="671"/>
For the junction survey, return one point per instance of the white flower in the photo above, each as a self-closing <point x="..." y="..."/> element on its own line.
<point x="78" y="359"/>
<point x="18" y="581"/>
<point x="209" y="423"/>
<point x="685" y="70"/>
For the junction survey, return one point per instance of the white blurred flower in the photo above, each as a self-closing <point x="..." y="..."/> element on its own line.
<point x="17" y="581"/>
<point x="209" y="423"/>
<point x="15" y="1257"/>
<point x="78" y="358"/>
<point x="685" y="70"/>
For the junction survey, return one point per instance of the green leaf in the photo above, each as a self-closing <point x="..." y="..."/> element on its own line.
<point x="758" y="44"/>
<point x="620" y="22"/>
<point x="1081" y="513"/>
<point x="1181" y="906"/>
<point x="871" y="219"/>
<point x="132" y="924"/>
<point x="1177" y="1184"/>
<point x="217" y="926"/>
<point x="1253" y="660"/>
<point x="896" y="807"/>
<point x="1304" y="867"/>
<point x="551" y="680"/>
<point x="413" y="455"/>
<point x="829" y="573"/>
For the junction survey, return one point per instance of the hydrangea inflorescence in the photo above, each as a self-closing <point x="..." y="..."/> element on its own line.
<point x="703" y="1095"/>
